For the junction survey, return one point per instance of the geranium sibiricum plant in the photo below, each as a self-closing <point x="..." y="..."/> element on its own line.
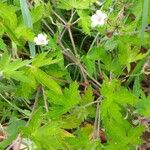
<point x="74" y="74"/>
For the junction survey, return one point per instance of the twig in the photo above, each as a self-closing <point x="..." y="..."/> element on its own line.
<point x="83" y="42"/>
<point x="75" y="21"/>
<point x="93" y="42"/>
<point x="14" y="106"/>
<point x="84" y="72"/>
<point x="18" y="139"/>
<point x="95" y="85"/>
<point x="62" y="34"/>
<point x="84" y="75"/>
<point x="59" y="17"/>
<point x="45" y="23"/>
<point x="77" y="62"/>
<point x="35" y="103"/>
<point x="97" y="120"/>
<point x="91" y="77"/>
<point x="71" y="64"/>
<point x="89" y="104"/>
<point x="45" y="100"/>
<point x="16" y="144"/>
<point x="72" y="41"/>
<point x="72" y="14"/>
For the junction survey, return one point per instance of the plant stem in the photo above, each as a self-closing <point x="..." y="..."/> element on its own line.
<point x="89" y="104"/>
<point x="59" y="17"/>
<point x="97" y="120"/>
<point x="75" y="21"/>
<point x="72" y="14"/>
<point x="93" y="42"/>
<point x="72" y="41"/>
<point x="14" y="106"/>
<point x="15" y="143"/>
<point x="35" y="103"/>
<point x="62" y="34"/>
<point x="45" y="101"/>
<point x="45" y="23"/>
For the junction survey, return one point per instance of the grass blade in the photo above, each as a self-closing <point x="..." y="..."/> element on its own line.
<point x="144" y="17"/>
<point x="28" y="22"/>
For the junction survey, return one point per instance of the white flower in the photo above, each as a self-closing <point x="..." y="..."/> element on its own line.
<point x="98" y="19"/>
<point x="41" y="39"/>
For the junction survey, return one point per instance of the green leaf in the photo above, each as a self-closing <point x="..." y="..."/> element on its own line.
<point x="17" y="75"/>
<point x="72" y="120"/>
<point x="83" y="141"/>
<point x="15" y="125"/>
<point x="47" y="9"/>
<point x="15" y="65"/>
<point x="137" y="70"/>
<point x="43" y="59"/>
<point x="10" y="68"/>
<point x="86" y="103"/>
<point x="115" y="99"/>
<point x="78" y="4"/>
<point x="97" y="53"/>
<point x="25" y="33"/>
<point x="111" y="44"/>
<point x="142" y="107"/>
<point x="2" y="29"/>
<point x="124" y="134"/>
<point x="133" y="135"/>
<point x="7" y="12"/>
<point x="37" y="13"/>
<point x="90" y="65"/>
<point x="4" y="60"/>
<point x="52" y="133"/>
<point x="7" y="87"/>
<point x="137" y="86"/>
<point x="2" y="45"/>
<point x="63" y="103"/>
<point x="33" y="124"/>
<point x="84" y="21"/>
<point x="11" y="34"/>
<point x="46" y="80"/>
<point x="71" y="95"/>
<point x="87" y="97"/>
<point x="127" y="54"/>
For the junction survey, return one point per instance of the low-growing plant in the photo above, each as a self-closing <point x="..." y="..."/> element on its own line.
<point x="74" y="74"/>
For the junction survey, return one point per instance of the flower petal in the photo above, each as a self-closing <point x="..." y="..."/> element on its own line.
<point x="41" y="39"/>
